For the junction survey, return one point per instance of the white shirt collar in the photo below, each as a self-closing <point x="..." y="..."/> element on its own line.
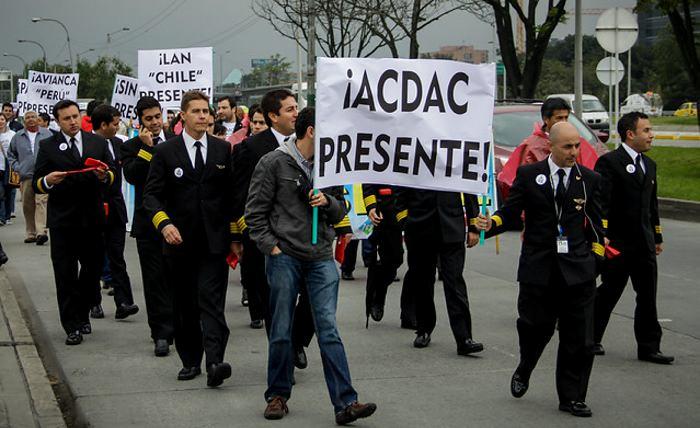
<point x="553" y="168"/>
<point x="161" y="136"/>
<point x="78" y="137"/>
<point x="189" y="141"/>
<point x="630" y="151"/>
<point x="278" y="135"/>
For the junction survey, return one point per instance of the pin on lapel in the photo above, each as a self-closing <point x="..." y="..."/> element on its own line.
<point x="220" y="166"/>
<point x="579" y="201"/>
<point x="578" y="207"/>
<point x="578" y="178"/>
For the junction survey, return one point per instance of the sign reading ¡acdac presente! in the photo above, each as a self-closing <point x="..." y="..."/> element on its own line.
<point x="166" y="74"/>
<point x="415" y="123"/>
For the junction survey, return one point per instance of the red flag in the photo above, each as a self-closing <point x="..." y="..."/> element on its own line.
<point x="232" y="260"/>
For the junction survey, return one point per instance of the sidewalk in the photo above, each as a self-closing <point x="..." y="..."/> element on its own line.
<point x="115" y="381"/>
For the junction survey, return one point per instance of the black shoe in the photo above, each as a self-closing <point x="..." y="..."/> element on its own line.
<point x="3" y="259"/>
<point x="656" y="357"/>
<point x="598" y="349"/>
<point x="397" y="279"/>
<point x="86" y="328"/>
<point x="376" y="312"/>
<point x="257" y="324"/>
<point x="409" y="325"/>
<point x="347" y="276"/>
<point x="106" y="285"/>
<point x="354" y="412"/>
<point x="300" y="360"/>
<point x="110" y="291"/>
<point x="97" y="312"/>
<point x="189" y="373"/>
<point x="422" y="340"/>
<point x="162" y="349"/>
<point x="216" y="373"/>
<point x="124" y="310"/>
<point x="41" y="239"/>
<point x="576" y="408"/>
<point x="519" y="384"/>
<point x="469" y="347"/>
<point x="244" y="297"/>
<point x="30" y="240"/>
<point x="74" y="338"/>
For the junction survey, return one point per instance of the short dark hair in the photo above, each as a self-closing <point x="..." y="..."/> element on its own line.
<point x="229" y="98"/>
<point x="628" y="122"/>
<point x="219" y="129"/>
<point x="272" y="103"/>
<point x="192" y="96"/>
<point x="550" y="105"/>
<point x="62" y="105"/>
<point x="305" y="118"/>
<point x="7" y="105"/>
<point x="91" y="107"/>
<point x="103" y="113"/>
<point x="255" y="109"/>
<point x="145" y="103"/>
<point x="45" y="117"/>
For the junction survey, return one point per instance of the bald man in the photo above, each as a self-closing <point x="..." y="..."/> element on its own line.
<point x="561" y="250"/>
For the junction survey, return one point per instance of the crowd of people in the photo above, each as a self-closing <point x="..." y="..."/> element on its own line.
<point x="217" y="187"/>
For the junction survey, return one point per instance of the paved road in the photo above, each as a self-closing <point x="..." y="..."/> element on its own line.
<point x="117" y="381"/>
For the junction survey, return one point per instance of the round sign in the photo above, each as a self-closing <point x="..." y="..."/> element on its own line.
<point x="606" y="71"/>
<point x="616" y="30"/>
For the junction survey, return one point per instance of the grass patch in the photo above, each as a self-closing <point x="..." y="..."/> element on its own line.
<point x="678" y="172"/>
<point x="673" y="120"/>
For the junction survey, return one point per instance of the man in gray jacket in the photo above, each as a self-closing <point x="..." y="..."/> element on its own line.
<point x="22" y="154"/>
<point x="278" y="212"/>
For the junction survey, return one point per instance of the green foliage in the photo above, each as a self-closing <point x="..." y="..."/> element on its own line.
<point x="275" y="72"/>
<point x="678" y="170"/>
<point x="97" y="80"/>
<point x="669" y="72"/>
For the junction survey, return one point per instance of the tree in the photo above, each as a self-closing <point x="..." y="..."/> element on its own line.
<point x="681" y="18"/>
<point x="97" y="80"/>
<point x="524" y="73"/>
<point x="275" y="71"/>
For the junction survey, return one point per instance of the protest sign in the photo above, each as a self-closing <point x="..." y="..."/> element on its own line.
<point x="125" y="95"/>
<point x="22" y="86"/>
<point x="46" y="89"/>
<point x="415" y="123"/>
<point x="166" y="74"/>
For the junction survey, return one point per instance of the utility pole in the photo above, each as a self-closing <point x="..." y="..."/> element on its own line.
<point x="311" y="57"/>
<point x="578" y="62"/>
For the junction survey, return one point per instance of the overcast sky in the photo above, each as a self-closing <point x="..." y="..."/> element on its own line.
<point x="225" y="25"/>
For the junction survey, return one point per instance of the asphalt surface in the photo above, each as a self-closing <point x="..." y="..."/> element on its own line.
<point x="118" y="382"/>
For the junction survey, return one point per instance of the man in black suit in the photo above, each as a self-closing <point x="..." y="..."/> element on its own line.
<point x="562" y="245"/>
<point x="188" y="195"/>
<point x="435" y="231"/>
<point x="76" y="214"/>
<point x="105" y="123"/>
<point x="280" y="112"/>
<point x="136" y="156"/>
<point x="631" y="212"/>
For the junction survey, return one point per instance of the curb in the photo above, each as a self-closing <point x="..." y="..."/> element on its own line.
<point x="678" y="209"/>
<point x="43" y="402"/>
<point x="677" y="136"/>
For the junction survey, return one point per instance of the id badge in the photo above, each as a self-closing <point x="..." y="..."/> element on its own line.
<point x="562" y="245"/>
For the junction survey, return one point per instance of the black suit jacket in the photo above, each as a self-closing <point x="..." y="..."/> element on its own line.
<point x="630" y="206"/>
<point x="173" y="195"/>
<point x="580" y="220"/>
<point x="136" y="161"/>
<point x="78" y="200"/>
<point x="245" y="157"/>
<point x="115" y="198"/>
<point x="430" y="211"/>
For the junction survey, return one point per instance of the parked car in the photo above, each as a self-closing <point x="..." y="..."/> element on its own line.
<point x="594" y="113"/>
<point x="687" y="110"/>
<point x="648" y="103"/>
<point x="513" y="122"/>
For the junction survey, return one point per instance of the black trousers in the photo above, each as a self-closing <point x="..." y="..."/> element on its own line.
<point x="76" y="255"/>
<point x="350" y="256"/>
<point x="115" y="240"/>
<point x="423" y="253"/>
<point x="640" y="266"/>
<point x="539" y="308"/>
<point x="157" y="293"/>
<point x="382" y="270"/>
<point x="254" y="280"/>
<point x="199" y="281"/>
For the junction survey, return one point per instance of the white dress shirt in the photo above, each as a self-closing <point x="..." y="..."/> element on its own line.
<point x="633" y="154"/>
<point x="192" y="150"/>
<point x="279" y="136"/>
<point x="554" y="176"/>
<point x="78" y="141"/>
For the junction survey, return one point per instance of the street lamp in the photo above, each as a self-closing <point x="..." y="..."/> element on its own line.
<point x="109" y="35"/>
<point x="19" y="58"/>
<point x="70" y="52"/>
<point x="77" y="56"/>
<point x="38" y="44"/>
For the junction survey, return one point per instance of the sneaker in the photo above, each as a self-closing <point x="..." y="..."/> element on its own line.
<point x="276" y="408"/>
<point x="347" y="276"/>
<point x="354" y="412"/>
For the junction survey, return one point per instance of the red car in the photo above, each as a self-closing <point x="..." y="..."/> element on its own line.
<point x="513" y="122"/>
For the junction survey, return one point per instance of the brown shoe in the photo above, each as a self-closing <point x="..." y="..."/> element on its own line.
<point x="354" y="412"/>
<point x="276" y="408"/>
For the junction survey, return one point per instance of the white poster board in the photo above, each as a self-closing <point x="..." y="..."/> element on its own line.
<point x="415" y="123"/>
<point x="22" y="87"/>
<point x="44" y="90"/>
<point x="125" y="95"/>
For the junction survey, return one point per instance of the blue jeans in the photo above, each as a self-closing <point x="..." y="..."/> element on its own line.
<point x="286" y="274"/>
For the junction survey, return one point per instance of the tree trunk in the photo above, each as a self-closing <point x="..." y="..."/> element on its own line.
<point x="683" y="32"/>
<point x="415" y="19"/>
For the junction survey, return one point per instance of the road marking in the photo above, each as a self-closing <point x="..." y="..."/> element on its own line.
<point x="665" y="320"/>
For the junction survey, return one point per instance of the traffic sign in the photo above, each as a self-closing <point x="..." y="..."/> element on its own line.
<point x="500" y="69"/>
<point x="610" y="71"/>
<point x="616" y="30"/>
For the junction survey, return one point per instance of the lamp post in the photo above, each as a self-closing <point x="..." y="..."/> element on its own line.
<point x="19" y="58"/>
<point x="70" y="52"/>
<point x="38" y="44"/>
<point x="109" y="36"/>
<point x="77" y="56"/>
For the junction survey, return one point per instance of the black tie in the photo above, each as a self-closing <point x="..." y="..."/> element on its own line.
<point x="74" y="149"/>
<point x="198" y="159"/>
<point x="640" y="171"/>
<point x="561" y="189"/>
<point x="156" y="140"/>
